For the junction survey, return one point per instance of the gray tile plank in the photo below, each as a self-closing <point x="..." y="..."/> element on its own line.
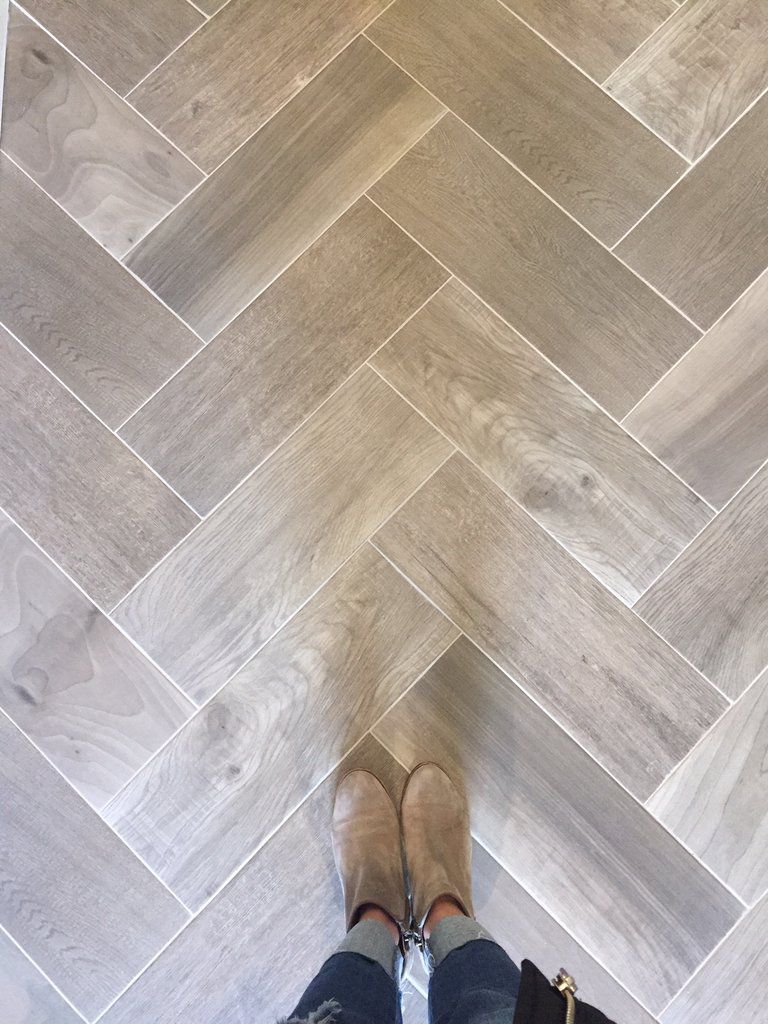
<point x="581" y="148"/>
<point x="715" y="801"/>
<point x="266" y="372"/>
<point x="575" y="840"/>
<point x="75" y="487"/>
<point x="71" y="681"/>
<point x="707" y="241"/>
<point x="83" y="145"/>
<point x="615" y="686"/>
<point x="75" y="307"/>
<point x="708" y="418"/>
<point x="199" y="809"/>
<point x="237" y="71"/>
<point x="693" y="78"/>
<point x="79" y="902"/>
<point x="542" y="440"/>
<point x="284" y="187"/>
<point x="120" y="42"/>
<point x="283" y="532"/>
<point x="25" y="995"/>
<point x="562" y="290"/>
<point x="712" y="603"/>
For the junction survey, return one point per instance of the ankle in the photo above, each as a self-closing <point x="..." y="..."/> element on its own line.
<point x="372" y="912"/>
<point x="444" y="906"/>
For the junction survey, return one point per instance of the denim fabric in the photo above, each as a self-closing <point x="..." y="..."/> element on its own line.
<point x="475" y="984"/>
<point x="363" y="990"/>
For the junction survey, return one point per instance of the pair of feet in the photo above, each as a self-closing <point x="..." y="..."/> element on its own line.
<point x="431" y="833"/>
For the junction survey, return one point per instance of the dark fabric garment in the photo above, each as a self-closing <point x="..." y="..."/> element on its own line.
<point x="475" y="984"/>
<point x="350" y="989"/>
<point x="538" y="1002"/>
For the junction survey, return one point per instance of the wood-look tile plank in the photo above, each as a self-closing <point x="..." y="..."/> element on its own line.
<point x="712" y="603"/>
<point x="708" y="418"/>
<point x="693" y="78"/>
<point x="541" y="439"/>
<point x="596" y="36"/>
<point x="284" y="187"/>
<point x="283" y="532"/>
<point x="71" y="893"/>
<point x="729" y="989"/>
<point x="587" y="658"/>
<point x="75" y="487"/>
<point x="707" y="241"/>
<point x="75" y="307"/>
<point x="570" y="835"/>
<point x="121" y="42"/>
<point x="716" y="801"/>
<point x="253" y="950"/>
<point x="237" y="71"/>
<point x="26" y="996"/>
<point x="255" y="751"/>
<point x="72" y="681"/>
<point x="550" y="280"/>
<point x="83" y="145"/>
<point x="559" y="128"/>
<point x="266" y="372"/>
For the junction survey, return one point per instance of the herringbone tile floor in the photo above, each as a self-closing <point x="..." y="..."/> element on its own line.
<point x="380" y="382"/>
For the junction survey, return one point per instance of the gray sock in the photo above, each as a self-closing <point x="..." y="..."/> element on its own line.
<point x="450" y="934"/>
<point x="374" y="940"/>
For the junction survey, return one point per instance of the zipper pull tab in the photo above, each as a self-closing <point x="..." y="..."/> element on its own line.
<point x="566" y="984"/>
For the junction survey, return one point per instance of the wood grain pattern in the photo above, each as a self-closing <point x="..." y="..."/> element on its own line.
<point x="725" y="992"/>
<point x="72" y="681"/>
<point x="85" y="146"/>
<point x="120" y="42"/>
<point x="549" y="813"/>
<point x="256" y="750"/>
<point x="542" y="440"/>
<point x="596" y="36"/>
<point x="254" y="561"/>
<point x="694" y="77"/>
<point x="88" y="501"/>
<point x="282" y="189"/>
<point x="715" y="800"/>
<point x="707" y="241"/>
<point x="560" y="129"/>
<point x="539" y="270"/>
<point x="237" y="71"/>
<point x="617" y="688"/>
<point x="708" y="418"/>
<point x="75" y="307"/>
<point x="712" y="603"/>
<point x="83" y="907"/>
<point x="27" y="998"/>
<point x="266" y="372"/>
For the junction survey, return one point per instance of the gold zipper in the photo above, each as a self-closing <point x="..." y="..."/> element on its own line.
<point x="564" y="983"/>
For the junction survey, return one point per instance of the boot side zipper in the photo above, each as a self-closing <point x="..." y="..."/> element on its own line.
<point x="565" y="983"/>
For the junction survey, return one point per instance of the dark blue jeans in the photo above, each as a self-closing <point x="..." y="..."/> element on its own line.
<point x="476" y="983"/>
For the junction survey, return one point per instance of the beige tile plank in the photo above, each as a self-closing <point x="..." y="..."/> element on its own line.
<point x="707" y="240"/>
<point x="560" y="129"/>
<point x="575" y="840"/>
<point x="712" y="603"/>
<point x="71" y="681"/>
<point x="83" y="145"/>
<point x="282" y="189"/>
<point x="121" y="42"/>
<point x="561" y="289"/>
<point x="542" y="440"/>
<point x="75" y="307"/>
<point x="227" y="780"/>
<point x="75" y="487"/>
<point x="693" y="78"/>
<point x="274" y="365"/>
<point x="27" y="997"/>
<point x="237" y="71"/>
<point x="708" y="418"/>
<point x="269" y="546"/>
<point x="79" y="903"/>
<point x="615" y="686"/>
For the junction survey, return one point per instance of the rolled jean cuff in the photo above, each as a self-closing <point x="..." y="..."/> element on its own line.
<point x="449" y="934"/>
<point x="373" y="939"/>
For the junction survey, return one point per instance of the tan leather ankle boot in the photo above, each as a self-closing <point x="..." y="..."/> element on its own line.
<point x="438" y="847"/>
<point x="368" y="850"/>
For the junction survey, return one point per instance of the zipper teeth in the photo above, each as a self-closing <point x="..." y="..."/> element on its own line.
<point x="570" y="1010"/>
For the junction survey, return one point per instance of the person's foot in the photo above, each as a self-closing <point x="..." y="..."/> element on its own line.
<point x="368" y="852"/>
<point x="438" y="847"/>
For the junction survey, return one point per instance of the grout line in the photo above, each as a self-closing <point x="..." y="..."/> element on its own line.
<point x="651" y="208"/>
<point x="199" y="9"/>
<point x="644" y="42"/>
<point x="731" y="126"/>
<point x="38" y="968"/>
